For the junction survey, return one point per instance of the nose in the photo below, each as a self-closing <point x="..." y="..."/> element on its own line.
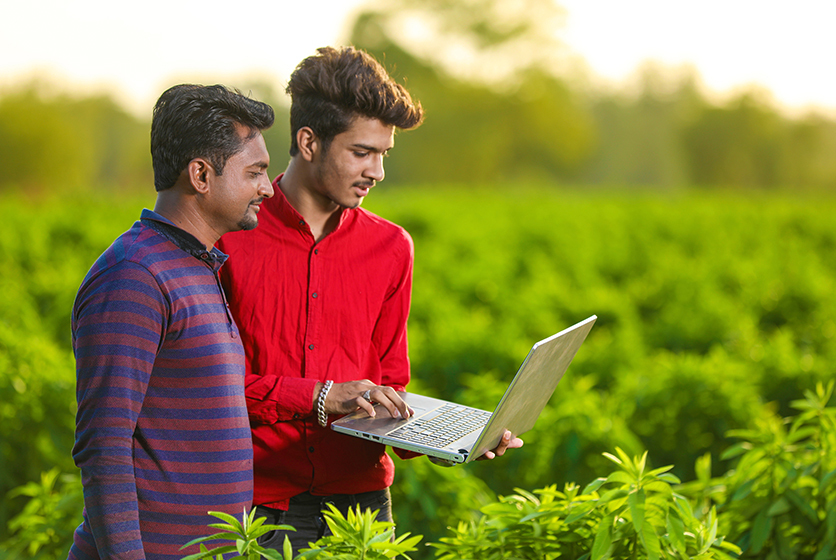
<point x="375" y="170"/>
<point x="265" y="189"/>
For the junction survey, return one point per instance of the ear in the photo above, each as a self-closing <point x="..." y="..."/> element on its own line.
<point x="199" y="172"/>
<point x="308" y="143"/>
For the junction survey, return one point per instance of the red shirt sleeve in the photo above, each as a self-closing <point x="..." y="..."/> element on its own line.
<point x="272" y="399"/>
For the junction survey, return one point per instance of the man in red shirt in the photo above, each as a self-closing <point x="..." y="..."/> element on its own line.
<point x="321" y="294"/>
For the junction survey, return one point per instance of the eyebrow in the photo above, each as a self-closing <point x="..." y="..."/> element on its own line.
<point x="370" y="148"/>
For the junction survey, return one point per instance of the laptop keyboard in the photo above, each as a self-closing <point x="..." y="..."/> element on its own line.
<point x="443" y="425"/>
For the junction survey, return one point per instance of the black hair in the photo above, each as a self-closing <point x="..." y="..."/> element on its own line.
<point x="331" y="88"/>
<point x="201" y="121"/>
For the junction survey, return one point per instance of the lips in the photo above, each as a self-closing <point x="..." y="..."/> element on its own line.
<point x="363" y="188"/>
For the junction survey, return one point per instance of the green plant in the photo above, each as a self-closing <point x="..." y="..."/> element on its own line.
<point x="245" y="535"/>
<point x="638" y="516"/>
<point x="359" y="536"/>
<point x="44" y="528"/>
<point x="779" y="500"/>
<point x="355" y="536"/>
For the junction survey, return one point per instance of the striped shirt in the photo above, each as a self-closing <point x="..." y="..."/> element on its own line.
<point x="162" y="434"/>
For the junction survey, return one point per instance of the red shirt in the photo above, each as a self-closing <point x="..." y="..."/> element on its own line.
<point x="309" y="312"/>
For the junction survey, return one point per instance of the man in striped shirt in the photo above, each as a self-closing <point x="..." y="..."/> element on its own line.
<point x="162" y="433"/>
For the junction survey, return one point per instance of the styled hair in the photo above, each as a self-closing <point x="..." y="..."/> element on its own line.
<point x="201" y="121"/>
<point x="331" y="88"/>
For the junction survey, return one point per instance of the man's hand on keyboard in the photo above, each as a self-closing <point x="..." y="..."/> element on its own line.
<point x="507" y="442"/>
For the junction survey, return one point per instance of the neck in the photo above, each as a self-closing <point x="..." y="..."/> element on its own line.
<point x="183" y="213"/>
<point x="320" y="213"/>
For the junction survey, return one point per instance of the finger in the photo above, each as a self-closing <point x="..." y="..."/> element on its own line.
<point x="384" y="400"/>
<point x="403" y="409"/>
<point x="365" y="405"/>
<point x="503" y="444"/>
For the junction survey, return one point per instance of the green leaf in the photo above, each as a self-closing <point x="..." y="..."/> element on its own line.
<point x="670" y="478"/>
<point x="215" y="537"/>
<point x="621" y="476"/>
<point x="613" y="495"/>
<point x="594" y="485"/>
<point x="735" y="450"/>
<point x="743" y="490"/>
<point x="534" y="515"/>
<point x="636" y="501"/>
<point x="684" y="506"/>
<point x="287" y="548"/>
<point x="761" y="528"/>
<point x="603" y="539"/>
<point x="612" y="458"/>
<point x="210" y="553"/>
<point x="229" y="519"/>
<point x="650" y="540"/>
<point x="802" y="505"/>
<point x="778" y="507"/>
<point x="826" y="480"/>
<point x="676" y="534"/>
<point x="579" y="511"/>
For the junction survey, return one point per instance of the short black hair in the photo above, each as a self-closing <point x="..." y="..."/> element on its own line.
<point x="330" y="89"/>
<point x="201" y="121"/>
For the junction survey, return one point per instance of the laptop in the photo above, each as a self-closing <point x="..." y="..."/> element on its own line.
<point x="461" y="434"/>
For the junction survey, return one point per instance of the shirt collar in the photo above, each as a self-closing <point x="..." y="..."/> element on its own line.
<point x="182" y="239"/>
<point x="289" y="215"/>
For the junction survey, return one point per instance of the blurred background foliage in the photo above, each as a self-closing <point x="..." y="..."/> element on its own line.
<point x="700" y="231"/>
<point x="503" y="107"/>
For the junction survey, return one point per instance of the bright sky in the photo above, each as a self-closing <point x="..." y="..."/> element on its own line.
<point x="138" y="49"/>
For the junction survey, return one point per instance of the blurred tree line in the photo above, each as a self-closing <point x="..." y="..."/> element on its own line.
<point x="498" y="110"/>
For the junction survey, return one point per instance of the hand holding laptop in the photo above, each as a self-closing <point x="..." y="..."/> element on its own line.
<point x="457" y="433"/>
<point x="507" y="442"/>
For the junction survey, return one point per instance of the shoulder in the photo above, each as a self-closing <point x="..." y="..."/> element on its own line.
<point x="380" y="228"/>
<point x="134" y="262"/>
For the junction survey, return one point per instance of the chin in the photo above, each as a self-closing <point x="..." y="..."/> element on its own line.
<point x="247" y="225"/>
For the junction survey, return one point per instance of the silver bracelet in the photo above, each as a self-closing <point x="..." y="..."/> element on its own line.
<point x="320" y="404"/>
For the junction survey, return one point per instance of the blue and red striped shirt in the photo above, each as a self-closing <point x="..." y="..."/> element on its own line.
<point x="162" y="433"/>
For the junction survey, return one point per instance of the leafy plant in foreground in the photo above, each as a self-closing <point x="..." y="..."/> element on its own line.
<point x="779" y="501"/>
<point x="355" y="536"/>
<point x="245" y="534"/>
<point x="637" y="516"/>
<point x="359" y="536"/>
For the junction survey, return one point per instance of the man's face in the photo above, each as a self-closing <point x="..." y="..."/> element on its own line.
<point x="353" y="162"/>
<point x="238" y="193"/>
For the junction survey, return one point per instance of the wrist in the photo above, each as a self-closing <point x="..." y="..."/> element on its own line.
<point x="321" y="417"/>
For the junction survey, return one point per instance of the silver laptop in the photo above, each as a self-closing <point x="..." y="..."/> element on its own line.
<point x="461" y="434"/>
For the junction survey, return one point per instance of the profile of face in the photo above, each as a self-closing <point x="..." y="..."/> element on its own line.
<point x="237" y="194"/>
<point x="353" y="162"/>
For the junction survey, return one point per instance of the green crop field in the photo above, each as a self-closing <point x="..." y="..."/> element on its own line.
<point x="717" y="310"/>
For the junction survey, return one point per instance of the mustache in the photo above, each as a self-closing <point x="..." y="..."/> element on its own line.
<point x="364" y="184"/>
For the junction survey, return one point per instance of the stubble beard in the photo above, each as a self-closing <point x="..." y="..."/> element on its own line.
<point x="248" y="222"/>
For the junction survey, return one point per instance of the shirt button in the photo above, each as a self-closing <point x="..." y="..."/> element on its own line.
<point x="311" y="347"/>
<point x="296" y="416"/>
<point x="301" y="222"/>
<point x="310" y="449"/>
<point x="313" y="295"/>
<point x="204" y="256"/>
<point x="316" y="251"/>
<point x="234" y="335"/>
